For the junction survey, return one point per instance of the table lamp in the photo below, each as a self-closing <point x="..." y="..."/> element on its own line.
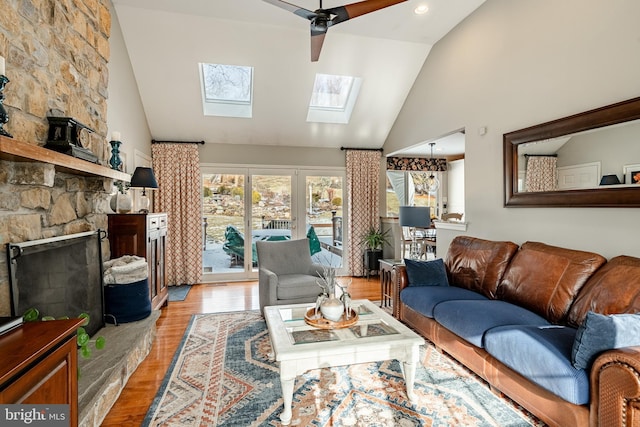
<point x="414" y="217"/>
<point x="144" y="178"/>
<point x="610" y="180"/>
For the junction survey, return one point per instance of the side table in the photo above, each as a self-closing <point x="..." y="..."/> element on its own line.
<point x="386" y="285"/>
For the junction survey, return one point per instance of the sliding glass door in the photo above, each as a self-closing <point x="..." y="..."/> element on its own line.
<point x="272" y="207"/>
<point x="244" y="205"/>
<point x="223" y="223"/>
<point x="324" y="219"/>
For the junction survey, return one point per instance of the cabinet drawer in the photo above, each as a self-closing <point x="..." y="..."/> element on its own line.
<point x="153" y="235"/>
<point x="156" y="221"/>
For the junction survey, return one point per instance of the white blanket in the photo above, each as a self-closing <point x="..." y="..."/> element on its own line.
<point x="125" y="270"/>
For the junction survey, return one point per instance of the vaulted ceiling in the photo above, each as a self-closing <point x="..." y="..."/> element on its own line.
<point x="167" y="39"/>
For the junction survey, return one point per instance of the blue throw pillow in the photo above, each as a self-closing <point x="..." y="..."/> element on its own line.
<point x="426" y="273"/>
<point x="599" y="333"/>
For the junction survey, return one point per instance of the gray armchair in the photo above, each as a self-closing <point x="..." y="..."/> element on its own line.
<point x="286" y="273"/>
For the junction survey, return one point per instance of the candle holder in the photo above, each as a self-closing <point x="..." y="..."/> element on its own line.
<point x="4" y="117"/>
<point x="115" y="162"/>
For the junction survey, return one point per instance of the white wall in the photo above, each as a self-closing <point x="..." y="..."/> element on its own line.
<point x="125" y="113"/>
<point x="271" y="155"/>
<point x="514" y="64"/>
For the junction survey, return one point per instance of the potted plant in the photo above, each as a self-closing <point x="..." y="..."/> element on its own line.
<point x="83" y="340"/>
<point x="374" y="239"/>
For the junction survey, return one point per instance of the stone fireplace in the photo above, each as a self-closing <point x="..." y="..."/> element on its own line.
<point x="48" y="201"/>
<point x="57" y="55"/>
<point x="56" y="60"/>
<point x="61" y="276"/>
<point x="38" y="203"/>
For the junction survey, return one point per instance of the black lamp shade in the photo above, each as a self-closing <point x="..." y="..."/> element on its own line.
<point x="414" y="216"/>
<point x="609" y="180"/>
<point x="144" y="178"/>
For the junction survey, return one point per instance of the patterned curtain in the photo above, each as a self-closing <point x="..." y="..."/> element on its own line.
<point x="416" y="164"/>
<point x="363" y="177"/>
<point x="177" y="169"/>
<point x="541" y="174"/>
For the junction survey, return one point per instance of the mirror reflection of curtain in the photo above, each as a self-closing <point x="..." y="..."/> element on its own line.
<point x="541" y="173"/>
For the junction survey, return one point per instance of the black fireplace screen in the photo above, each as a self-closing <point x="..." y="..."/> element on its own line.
<point x="61" y="276"/>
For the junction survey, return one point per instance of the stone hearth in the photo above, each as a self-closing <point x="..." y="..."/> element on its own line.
<point x="105" y="374"/>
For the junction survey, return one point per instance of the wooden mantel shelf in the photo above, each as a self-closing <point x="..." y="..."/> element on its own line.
<point x="19" y="151"/>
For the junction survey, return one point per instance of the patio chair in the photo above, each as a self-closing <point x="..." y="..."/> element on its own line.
<point x="286" y="274"/>
<point x="234" y="245"/>
<point x="314" y="243"/>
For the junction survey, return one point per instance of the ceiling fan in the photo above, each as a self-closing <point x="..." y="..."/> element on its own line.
<point x="321" y="19"/>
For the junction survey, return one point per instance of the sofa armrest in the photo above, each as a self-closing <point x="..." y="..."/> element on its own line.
<point x="615" y="388"/>
<point x="399" y="281"/>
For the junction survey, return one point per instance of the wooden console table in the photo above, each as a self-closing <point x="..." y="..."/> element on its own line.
<point x="39" y="364"/>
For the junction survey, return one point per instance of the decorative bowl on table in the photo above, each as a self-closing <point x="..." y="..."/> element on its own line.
<point x="317" y="320"/>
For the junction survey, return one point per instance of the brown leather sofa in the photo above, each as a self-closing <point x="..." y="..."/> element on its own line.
<point x="561" y="285"/>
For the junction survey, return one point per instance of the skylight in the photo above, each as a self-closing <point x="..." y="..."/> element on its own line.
<point x="333" y="98"/>
<point x="226" y="90"/>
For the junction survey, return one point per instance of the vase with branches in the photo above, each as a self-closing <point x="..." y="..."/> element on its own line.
<point x="330" y="306"/>
<point x="121" y="200"/>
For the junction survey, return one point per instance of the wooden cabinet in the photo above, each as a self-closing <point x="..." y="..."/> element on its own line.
<point x="39" y="365"/>
<point x="144" y="235"/>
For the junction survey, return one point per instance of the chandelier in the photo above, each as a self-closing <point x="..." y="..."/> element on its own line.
<point x="432" y="182"/>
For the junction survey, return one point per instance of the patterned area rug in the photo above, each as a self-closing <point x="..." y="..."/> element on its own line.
<point x="222" y="376"/>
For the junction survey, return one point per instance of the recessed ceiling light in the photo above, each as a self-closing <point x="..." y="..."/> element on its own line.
<point x="421" y="10"/>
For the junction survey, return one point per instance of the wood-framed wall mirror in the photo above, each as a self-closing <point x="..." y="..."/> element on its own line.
<point x="591" y="159"/>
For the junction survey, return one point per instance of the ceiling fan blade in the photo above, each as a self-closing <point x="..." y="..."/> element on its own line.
<point x="353" y="10"/>
<point x="321" y="19"/>
<point x="307" y="14"/>
<point x="317" y="38"/>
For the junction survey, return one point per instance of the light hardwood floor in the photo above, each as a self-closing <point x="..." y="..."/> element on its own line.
<point x="133" y="403"/>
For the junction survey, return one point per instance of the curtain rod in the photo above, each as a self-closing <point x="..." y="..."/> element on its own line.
<point x="154" y="141"/>
<point x="361" y="149"/>
<point x="541" y="155"/>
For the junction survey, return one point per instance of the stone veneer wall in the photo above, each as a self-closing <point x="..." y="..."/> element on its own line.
<point x="56" y="55"/>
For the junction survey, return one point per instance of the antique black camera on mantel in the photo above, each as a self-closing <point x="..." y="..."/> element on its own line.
<point x="68" y="136"/>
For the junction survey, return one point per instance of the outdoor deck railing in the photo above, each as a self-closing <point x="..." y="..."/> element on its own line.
<point x="285" y="224"/>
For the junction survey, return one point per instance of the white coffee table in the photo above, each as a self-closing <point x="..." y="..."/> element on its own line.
<point x="300" y="347"/>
